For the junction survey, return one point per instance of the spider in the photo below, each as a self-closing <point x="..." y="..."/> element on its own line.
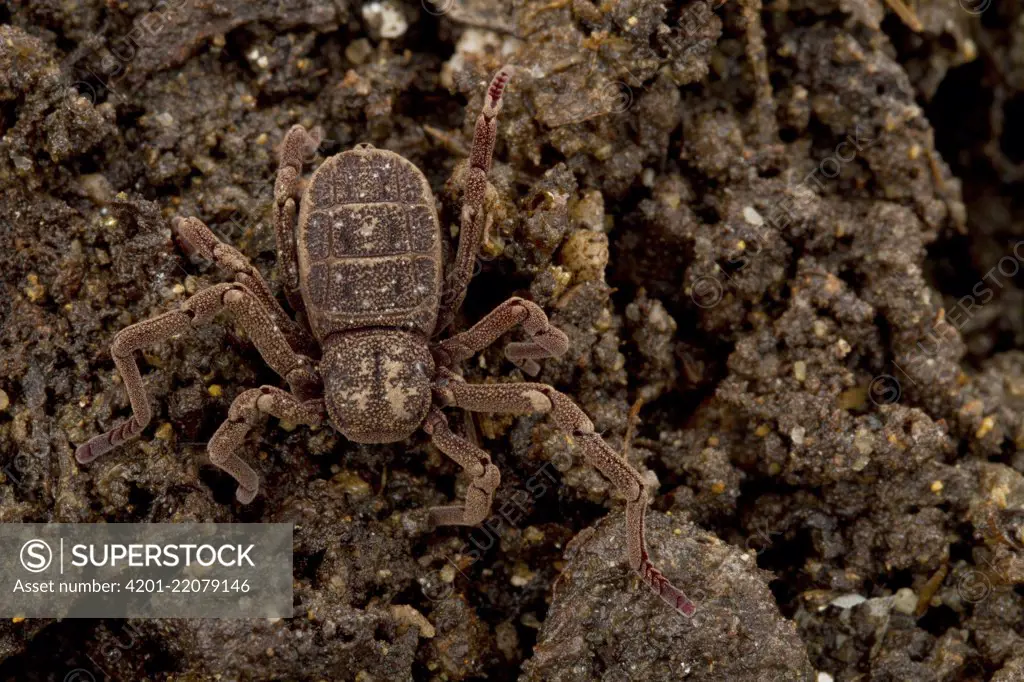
<point x="360" y="256"/>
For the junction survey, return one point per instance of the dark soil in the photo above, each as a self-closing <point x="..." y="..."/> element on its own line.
<point x="793" y="231"/>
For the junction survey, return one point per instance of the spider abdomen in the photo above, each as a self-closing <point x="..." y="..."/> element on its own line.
<point x="369" y="245"/>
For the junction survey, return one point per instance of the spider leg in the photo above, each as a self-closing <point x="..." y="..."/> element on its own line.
<point x="531" y="398"/>
<point x="547" y="341"/>
<point x="246" y="412"/>
<point x="202" y="239"/>
<point x="476" y="462"/>
<point x="472" y="228"/>
<point x="297" y="146"/>
<point x="247" y="309"/>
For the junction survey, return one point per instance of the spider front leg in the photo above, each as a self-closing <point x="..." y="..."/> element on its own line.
<point x="547" y="341"/>
<point x="201" y="238"/>
<point x="298" y="145"/>
<point x="530" y="398"/>
<point x="245" y="413"/>
<point x="471" y="230"/>
<point x="476" y="462"/>
<point x="296" y="369"/>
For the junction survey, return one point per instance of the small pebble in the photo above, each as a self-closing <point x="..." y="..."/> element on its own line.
<point x="404" y="613"/>
<point x="905" y="601"/>
<point x="533" y="535"/>
<point x="848" y="601"/>
<point x="96" y="187"/>
<point x="519" y="580"/>
<point x="585" y="254"/>
<point x="864" y="442"/>
<point x="751" y="215"/>
<point x="530" y="620"/>
<point x="5" y="402"/>
<point x="970" y="50"/>
<point x="34" y="290"/>
<point x="358" y="51"/>
<point x="352" y="484"/>
<point x="385" y="19"/>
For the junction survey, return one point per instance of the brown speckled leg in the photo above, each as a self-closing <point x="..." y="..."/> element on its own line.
<point x="477" y="464"/>
<point x="471" y="230"/>
<point x="245" y="413"/>
<point x="547" y="341"/>
<point x="251" y="315"/>
<point x="527" y="398"/>
<point x="204" y="241"/>
<point x="298" y="145"/>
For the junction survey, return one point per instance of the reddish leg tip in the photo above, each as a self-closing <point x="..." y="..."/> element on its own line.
<point x="89" y="451"/>
<point x="668" y="592"/>
<point x="499" y="83"/>
<point x="83" y="454"/>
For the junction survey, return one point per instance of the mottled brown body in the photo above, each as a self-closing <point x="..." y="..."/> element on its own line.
<point x="369" y="245"/>
<point x="360" y="257"/>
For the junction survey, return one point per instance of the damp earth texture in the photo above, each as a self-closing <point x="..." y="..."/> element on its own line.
<point x="781" y="242"/>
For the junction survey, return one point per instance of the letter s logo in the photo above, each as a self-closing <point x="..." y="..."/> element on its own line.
<point x="36" y="556"/>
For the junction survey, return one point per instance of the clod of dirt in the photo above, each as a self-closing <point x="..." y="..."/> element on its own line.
<point x="737" y="632"/>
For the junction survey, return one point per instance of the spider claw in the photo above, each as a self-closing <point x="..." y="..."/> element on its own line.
<point x="245" y="495"/>
<point x="187" y="246"/>
<point x="530" y="367"/>
<point x="87" y="452"/>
